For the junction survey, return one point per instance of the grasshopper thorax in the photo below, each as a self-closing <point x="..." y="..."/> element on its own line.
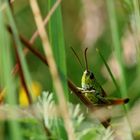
<point x="87" y="80"/>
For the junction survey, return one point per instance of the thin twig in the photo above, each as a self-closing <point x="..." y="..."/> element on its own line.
<point x="21" y="74"/>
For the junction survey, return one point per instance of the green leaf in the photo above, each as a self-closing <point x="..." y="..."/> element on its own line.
<point x="56" y="37"/>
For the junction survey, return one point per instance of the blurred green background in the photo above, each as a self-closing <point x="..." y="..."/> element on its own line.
<point x="87" y="23"/>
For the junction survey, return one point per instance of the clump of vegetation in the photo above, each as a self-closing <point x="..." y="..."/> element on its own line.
<point x="35" y="56"/>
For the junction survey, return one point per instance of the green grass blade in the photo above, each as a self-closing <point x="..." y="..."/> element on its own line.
<point x="118" y="53"/>
<point x="19" y="47"/>
<point x="8" y="82"/>
<point x="57" y="42"/>
<point x="117" y="45"/>
<point x="109" y="70"/>
<point x="55" y="30"/>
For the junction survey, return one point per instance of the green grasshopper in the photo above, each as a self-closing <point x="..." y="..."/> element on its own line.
<point x="93" y="90"/>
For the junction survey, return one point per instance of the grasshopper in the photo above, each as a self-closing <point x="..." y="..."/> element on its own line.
<point x="92" y="90"/>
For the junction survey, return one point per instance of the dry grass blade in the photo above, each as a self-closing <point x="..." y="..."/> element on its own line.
<point x="47" y="18"/>
<point x="52" y="65"/>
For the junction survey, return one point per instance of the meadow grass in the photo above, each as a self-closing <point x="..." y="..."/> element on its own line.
<point x="70" y="121"/>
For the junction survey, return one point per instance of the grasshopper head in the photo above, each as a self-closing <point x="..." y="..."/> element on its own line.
<point x="88" y="77"/>
<point x="87" y="80"/>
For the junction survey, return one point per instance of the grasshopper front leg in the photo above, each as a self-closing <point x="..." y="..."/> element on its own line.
<point x="86" y="91"/>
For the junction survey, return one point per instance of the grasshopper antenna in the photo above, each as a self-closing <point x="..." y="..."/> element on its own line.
<point x="85" y="54"/>
<point x="77" y="57"/>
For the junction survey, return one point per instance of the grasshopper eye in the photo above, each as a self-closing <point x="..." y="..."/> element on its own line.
<point x="91" y="76"/>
